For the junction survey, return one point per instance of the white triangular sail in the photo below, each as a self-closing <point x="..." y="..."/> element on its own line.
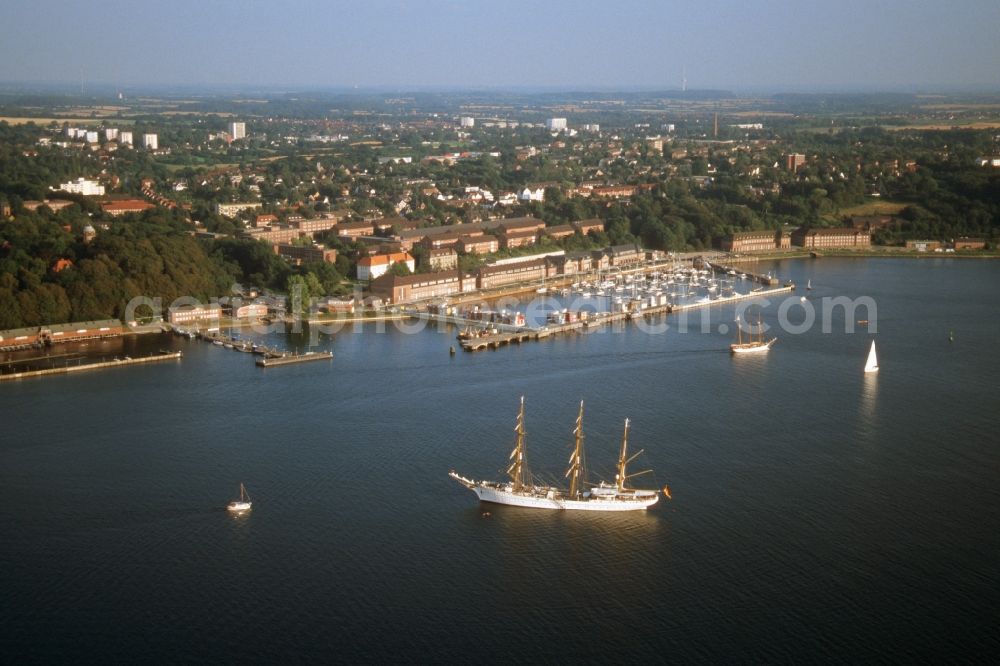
<point x="872" y="364"/>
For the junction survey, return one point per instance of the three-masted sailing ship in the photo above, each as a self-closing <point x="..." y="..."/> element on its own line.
<point x="753" y="345"/>
<point x="521" y="489"/>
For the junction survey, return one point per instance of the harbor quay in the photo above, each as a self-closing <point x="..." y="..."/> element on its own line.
<point x="640" y="294"/>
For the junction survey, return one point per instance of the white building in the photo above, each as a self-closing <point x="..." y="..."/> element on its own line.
<point x="150" y="141"/>
<point x="110" y="133"/>
<point x="556" y="123"/>
<point x="89" y="188"/>
<point x="125" y="138"/>
<point x="591" y="127"/>
<point x="238" y="130"/>
<point x="377" y="265"/>
<point x="91" y="137"/>
<point x="532" y="194"/>
<point x="466" y="121"/>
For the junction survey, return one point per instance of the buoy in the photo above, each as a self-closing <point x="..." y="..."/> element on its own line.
<point x="451" y="350"/>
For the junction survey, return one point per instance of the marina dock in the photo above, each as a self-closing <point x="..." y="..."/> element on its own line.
<point x="81" y="367"/>
<point x="500" y="334"/>
<point x="272" y="361"/>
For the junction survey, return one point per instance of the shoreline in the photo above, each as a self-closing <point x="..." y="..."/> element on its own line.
<point x="887" y="253"/>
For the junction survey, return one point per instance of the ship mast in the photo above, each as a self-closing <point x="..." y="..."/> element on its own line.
<point x="622" y="461"/>
<point x="516" y="469"/>
<point x="575" y="471"/>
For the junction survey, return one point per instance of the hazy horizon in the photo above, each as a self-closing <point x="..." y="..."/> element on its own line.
<point x="559" y="46"/>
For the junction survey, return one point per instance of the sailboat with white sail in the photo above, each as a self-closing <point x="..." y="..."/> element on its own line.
<point x="242" y="504"/>
<point x="521" y="489"/>
<point x="871" y="365"/>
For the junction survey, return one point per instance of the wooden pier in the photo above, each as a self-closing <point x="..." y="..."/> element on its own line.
<point x="81" y="367"/>
<point x="289" y="359"/>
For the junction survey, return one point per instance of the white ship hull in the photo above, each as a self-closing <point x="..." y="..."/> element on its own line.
<point x="752" y="347"/>
<point x="553" y="498"/>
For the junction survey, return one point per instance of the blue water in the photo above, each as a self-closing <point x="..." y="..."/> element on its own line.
<point x="818" y="513"/>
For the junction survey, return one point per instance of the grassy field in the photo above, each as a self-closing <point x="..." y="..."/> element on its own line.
<point x="19" y="120"/>
<point x="873" y="208"/>
<point x="938" y="126"/>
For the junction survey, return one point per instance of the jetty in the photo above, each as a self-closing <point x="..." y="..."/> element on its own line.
<point x="289" y="359"/>
<point x="97" y="365"/>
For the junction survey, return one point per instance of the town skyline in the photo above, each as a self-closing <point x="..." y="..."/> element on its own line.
<point x="441" y="45"/>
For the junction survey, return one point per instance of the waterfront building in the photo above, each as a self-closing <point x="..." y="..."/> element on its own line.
<point x="582" y="261"/>
<point x="81" y="330"/>
<point x="923" y="245"/>
<point x="207" y="314"/>
<point x="831" y="238"/>
<point x="403" y="288"/>
<point x="492" y="276"/>
<point x="626" y="256"/>
<point x="966" y="243"/>
<point x="763" y="240"/>
<point x="18" y="337"/>
<point x="247" y="311"/>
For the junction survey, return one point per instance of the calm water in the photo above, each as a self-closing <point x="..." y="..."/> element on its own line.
<point x="817" y="513"/>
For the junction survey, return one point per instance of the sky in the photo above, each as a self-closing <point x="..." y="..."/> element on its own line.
<point x="804" y="45"/>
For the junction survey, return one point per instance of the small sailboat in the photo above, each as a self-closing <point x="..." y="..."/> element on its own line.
<point x="242" y="504"/>
<point x="809" y="284"/>
<point x="871" y="365"/>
